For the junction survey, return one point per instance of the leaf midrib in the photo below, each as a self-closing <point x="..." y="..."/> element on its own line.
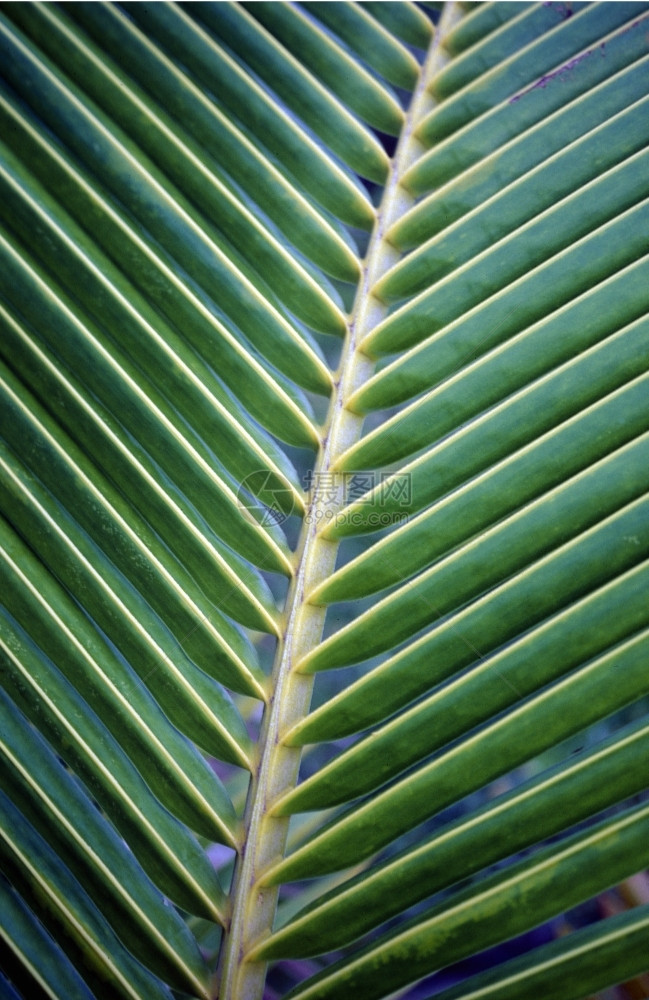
<point x="253" y="908"/>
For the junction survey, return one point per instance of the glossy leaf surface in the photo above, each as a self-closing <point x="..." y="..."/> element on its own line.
<point x="324" y="407"/>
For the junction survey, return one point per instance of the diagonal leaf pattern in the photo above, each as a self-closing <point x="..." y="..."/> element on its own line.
<point x="324" y="342"/>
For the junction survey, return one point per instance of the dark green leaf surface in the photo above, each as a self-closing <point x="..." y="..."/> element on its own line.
<point x="533" y="530"/>
<point x="166" y="850"/>
<point x="542" y="588"/>
<point x="405" y="20"/>
<point x="594" y="319"/>
<point x="487" y="133"/>
<point x="327" y="118"/>
<point x="126" y="174"/>
<point x="485" y="19"/>
<point x="532" y="21"/>
<point x="512" y="425"/>
<point x="568" y="637"/>
<point x="566" y="129"/>
<point x="147" y="127"/>
<point x="379" y="48"/>
<point x="518" y="297"/>
<point x="183" y="691"/>
<point x="558" y="187"/>
<point x="585" y="962"/>
<point x="170" y="765"/>
<point x="550" y="52"/>
<point x="537" y="809"/>
<point x="557" y="878"/>
<point x="37" y="951"/>
<point x="57" y="808"/>
<point x="341" y="74"/>
<point x="37" y="871"/>
<point x="590" y="694"/>
<point x="212" y="67"/>
<point x="260" y="390"/>
<point x="194" y="326"/>
<point x="563" y="449"/>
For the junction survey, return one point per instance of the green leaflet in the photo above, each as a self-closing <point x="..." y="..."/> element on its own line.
<point x="560" y="185"/>
<point x="256" y="607"/>
<point x="30" y="942"/>
<point x="534" y="890"/>
<point x="586" y="696"/>
<point x="117" y="382"/>
<point x="260" y="52"/>
<point x="212" y="338"/>
<point x="405" y="20"/>
<point x="552" y="406"/>
<point x="568" y="126"/>
<point x="563" y="446"/>
<point x="215" y="69"/>
<point x="431" y="723"/>
<point x="456" y="347"/>
<point x="170" y="765"/>
<point x="528" y="24"/>
<point x="587" y="961"/>
<point x="510" y="367"/>
<point x="509" y="119"/>
<point x="218" y="206"/>
<point x="74" y="407"/>
<point x="36" y="869"/>
<point x="112" y="321"/>
<point x="542" y="57"/>
<point x="125" y="173"/>
<point x="163" y="846"/>
<point x="481" y="22"/>
<point x="204" y="126"/>
<point x="568" y="637"/>
<point x="501" y="276"/>
<point x="185" y="692"/>
<point x="364" y="36"/>
<point x="533" y="529"/>
<point x="215" y="644"/>
<point x="542" y="587"/>
<point x="56" y="806"/>
<point x="329" y="62"/>
<point x="537" y="809"/>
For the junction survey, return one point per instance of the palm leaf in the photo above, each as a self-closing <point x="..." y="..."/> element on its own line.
<point x="325" y="438"/>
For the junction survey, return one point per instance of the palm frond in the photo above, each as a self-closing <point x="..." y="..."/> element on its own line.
<point x="325" y="340"/>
